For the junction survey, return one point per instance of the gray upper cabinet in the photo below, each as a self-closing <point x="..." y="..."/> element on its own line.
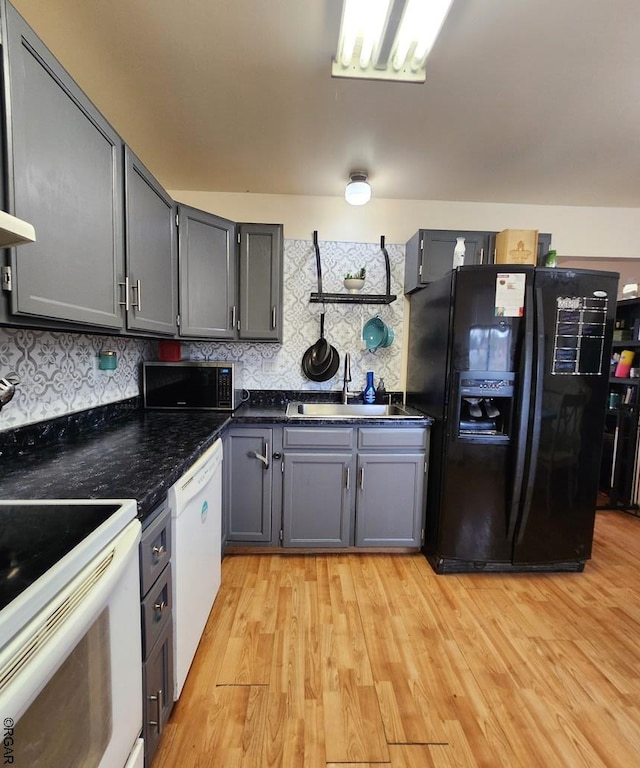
<point x="429" y="254"/>
<point x="207" y="265"/>
<point x="230" y="278"/>
<point x="65" y="176"/>
<point x="151" y="252"/>
<point x="544" y="246"/>
<point x="260" y="282"/>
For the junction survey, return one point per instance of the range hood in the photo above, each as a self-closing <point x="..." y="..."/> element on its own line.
<point x="14" y="231"/>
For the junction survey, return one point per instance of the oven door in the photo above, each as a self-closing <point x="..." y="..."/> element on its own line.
<point x="70" y="681"/>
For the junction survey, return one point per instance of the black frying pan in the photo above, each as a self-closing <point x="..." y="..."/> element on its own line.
<point x="321" y="350"/>
<point x="315" y="365"/>
<point x="322" y="373"/>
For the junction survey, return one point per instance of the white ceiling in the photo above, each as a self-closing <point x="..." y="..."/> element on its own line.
<point x="529" y="101"/>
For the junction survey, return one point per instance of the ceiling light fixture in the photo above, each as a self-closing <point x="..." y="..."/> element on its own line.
<point x="358" y="191"/>
<point x="388" y="39"/>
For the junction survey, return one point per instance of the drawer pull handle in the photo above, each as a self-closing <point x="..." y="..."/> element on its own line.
<point x="159" y="697"/>
<point x="158" y="551"/>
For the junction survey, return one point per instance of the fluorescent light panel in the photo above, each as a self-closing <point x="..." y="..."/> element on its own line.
<point x="388" y="39"/>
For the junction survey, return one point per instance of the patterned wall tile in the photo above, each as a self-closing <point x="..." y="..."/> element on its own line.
<point x="58" y="372"/>
<point x="278" y="366"/>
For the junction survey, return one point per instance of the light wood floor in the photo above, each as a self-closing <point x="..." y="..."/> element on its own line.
<point x="369" y="660"/>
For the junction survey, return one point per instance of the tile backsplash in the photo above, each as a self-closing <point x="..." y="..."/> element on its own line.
<point x="59" y="374"/>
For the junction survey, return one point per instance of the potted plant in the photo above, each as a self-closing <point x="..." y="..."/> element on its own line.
<point x="353" y="281"/>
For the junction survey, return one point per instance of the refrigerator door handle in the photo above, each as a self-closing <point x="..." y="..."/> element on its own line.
<point x="536" y="417"/>
<point x="525" y="407"/>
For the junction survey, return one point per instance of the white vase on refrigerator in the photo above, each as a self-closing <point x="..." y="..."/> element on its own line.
<point x="459" y="252"/>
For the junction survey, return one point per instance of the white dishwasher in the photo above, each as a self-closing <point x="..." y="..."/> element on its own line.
<point x="196" y="529"/>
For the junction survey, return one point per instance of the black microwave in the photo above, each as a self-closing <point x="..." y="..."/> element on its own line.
<point x="197" y="384"/>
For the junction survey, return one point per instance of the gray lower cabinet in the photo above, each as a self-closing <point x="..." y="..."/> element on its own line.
<point x="157" y="627"/>
<point x="389" y="503"/>
<point x="317" y="499"/>
<point x="248" y="488"/>
<point x="157" y="686"/>
<point x="65" y="176"/>
<point x="391" y="477"/>
<point x="346" y="486"/>
<point x="151" y="284"/>
<point x="260" y="259"/>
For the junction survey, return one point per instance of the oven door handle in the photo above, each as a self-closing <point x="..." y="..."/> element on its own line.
<point x="32" y="657"/>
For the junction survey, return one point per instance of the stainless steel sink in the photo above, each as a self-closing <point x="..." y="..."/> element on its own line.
<point x="349" y="411"/>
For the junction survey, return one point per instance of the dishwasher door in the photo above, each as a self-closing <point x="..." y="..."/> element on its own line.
<point x="196" y="527"/>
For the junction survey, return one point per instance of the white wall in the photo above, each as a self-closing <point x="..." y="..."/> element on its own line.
<point x="584" y="232"/>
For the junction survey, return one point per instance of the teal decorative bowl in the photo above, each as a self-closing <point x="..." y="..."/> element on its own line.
<point x="373" y="333"/>
<point x="389" y="336"/>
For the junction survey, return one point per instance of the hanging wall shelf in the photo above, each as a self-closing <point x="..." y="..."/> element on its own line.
<point x="352" y="298"/>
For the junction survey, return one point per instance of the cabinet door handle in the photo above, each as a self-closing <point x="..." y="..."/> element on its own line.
<point x="159" y="697"/>
<point x="274" y="311"/>
<point x="159" y="608"/>
<point x="362" y="478"/>
<point x="263" y="458"/>
<point x="125" y="303"/>
<point x="233" y="317"/>
<point x="348" y="479"/>
<point x="158" y="551"/>
<point x="482" y="255"/>
<point x="137" y="289"/>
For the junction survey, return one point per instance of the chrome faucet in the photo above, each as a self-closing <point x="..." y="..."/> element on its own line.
<point x="346" y="394"/>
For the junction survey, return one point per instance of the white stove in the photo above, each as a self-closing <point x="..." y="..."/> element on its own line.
<point x="44" y="544"/>
<point x="70" y="632"/>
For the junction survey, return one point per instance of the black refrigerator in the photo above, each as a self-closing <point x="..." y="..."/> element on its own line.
<point x="512" y="362"/>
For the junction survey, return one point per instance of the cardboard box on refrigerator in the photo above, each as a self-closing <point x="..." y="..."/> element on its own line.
<point x="517" y="246"/>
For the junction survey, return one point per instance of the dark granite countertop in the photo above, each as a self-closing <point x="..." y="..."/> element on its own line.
<point x="269" y="407"/>
<point x="138" y="457"/>
<point x="252" y="414"/>
<point x="123" y="451"/>
<point x="249" y="413"/>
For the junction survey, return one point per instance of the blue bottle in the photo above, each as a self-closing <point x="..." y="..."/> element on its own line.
<point x="370" y="390"/>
